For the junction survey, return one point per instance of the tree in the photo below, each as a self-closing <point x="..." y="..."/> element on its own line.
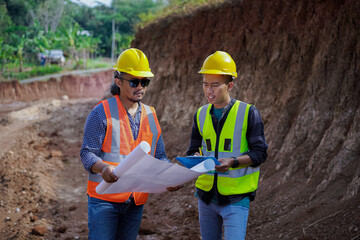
<point x="127" y="13"/>
<point x="20" y="43"/>
<point x="5" y="20"/>
<point x="70" y="37"/>
<point x="29" y="27"/>
<point x="97" y="20"/>
<point x="48" y="14"/>
<point x="20" y="48"/>
<point x="84" y="46"/>
<point x="6" y="53"/>
<point x="17" y="11"/>
<point x="124" y="41"/>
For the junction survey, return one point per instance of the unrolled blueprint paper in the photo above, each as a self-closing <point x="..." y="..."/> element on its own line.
<point x="141" y="172"/>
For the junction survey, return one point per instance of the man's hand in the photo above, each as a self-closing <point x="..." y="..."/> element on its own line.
<point x="226" y="163"/>
<point x="108" y="174"/>
<point x="172" y="189"/>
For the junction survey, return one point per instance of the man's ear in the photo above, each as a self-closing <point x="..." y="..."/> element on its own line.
<point x="230" y="86"/>
<point x="117" y="82"/>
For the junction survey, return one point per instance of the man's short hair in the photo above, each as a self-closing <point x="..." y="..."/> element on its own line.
<point x="114" y="89"/>
<point x="229" y="78"/>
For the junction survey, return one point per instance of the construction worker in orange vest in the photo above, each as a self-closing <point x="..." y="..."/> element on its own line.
<point x="112" y="130"/>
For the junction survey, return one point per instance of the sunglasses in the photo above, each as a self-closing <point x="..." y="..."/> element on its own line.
<point x="135" y="82"/>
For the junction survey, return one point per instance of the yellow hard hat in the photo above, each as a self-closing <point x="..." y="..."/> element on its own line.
<point x="219" y="63"/>
<point x="133" y="61"/>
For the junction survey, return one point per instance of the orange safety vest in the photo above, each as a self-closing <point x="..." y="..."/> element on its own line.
<point x="119" y="142"/>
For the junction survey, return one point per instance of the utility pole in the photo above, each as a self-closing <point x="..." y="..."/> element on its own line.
<point x="113" y="41"/>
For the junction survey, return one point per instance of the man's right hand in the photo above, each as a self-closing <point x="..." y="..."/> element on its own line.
<point x="108" y="174"/>
<point x="106" y="170"/>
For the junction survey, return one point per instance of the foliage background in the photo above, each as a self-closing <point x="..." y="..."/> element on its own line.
<point x="29" y="27"/>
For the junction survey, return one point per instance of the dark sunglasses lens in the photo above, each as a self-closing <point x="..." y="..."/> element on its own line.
<point x="134" y="83"/>
<point x="145" y="82"/>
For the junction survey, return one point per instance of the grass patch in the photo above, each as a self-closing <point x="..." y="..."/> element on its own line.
<point x="99" y="63"/>
<point x="32" y="72"/>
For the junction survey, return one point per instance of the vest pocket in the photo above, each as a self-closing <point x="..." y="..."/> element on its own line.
<point x="227" y="144"/>
<point x="208" y="145"/>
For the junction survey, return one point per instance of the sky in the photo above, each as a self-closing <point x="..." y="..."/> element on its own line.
<point x="93" y="3"/>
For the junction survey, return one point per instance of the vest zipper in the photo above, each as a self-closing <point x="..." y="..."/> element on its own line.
<point x="219" y="127"/>
<point x="218" y="131"/>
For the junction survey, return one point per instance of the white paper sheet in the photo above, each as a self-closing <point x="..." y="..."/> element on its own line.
<point x="141" y="172"/>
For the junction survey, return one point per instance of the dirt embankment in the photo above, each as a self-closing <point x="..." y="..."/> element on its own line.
<point x="298" y="62"/>
<point x="74" y="86"/>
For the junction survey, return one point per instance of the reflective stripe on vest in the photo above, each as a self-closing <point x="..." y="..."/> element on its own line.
<point x="231" y="142"/>
<point x="119" y="142"/>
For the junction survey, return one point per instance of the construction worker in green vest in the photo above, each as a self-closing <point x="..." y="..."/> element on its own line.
<point x="233" y="132"/>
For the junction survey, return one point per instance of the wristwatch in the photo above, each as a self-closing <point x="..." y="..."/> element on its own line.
<point x="235" y="163"/>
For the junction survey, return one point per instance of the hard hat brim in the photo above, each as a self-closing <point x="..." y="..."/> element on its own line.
<point x="136" y="73"/>
<point x="214" y="71"/>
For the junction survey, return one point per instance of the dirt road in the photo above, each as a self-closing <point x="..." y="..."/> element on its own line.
<point x="43" y="193"/>
<point x="44" y="184"/>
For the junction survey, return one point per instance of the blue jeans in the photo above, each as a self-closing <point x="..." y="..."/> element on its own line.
<point x="212" y="217"/>
<point x="109" y="220"/>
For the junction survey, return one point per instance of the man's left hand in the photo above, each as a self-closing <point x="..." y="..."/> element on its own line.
<point x="226" y="163"/>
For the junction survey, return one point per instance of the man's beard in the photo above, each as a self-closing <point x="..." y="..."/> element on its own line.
<point x="137" y="100"/>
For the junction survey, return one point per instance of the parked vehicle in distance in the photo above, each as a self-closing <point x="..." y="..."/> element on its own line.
<point x="52" y="56"/>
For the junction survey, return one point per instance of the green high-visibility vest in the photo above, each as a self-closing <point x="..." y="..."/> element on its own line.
<point x="231" y="142"/>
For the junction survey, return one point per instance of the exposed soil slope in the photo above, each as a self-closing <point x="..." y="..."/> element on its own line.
<point x="298" y="62"/>
<point x="74" y="86"/>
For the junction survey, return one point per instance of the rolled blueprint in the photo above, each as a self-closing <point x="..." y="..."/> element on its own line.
<point x="138" y="153"/>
